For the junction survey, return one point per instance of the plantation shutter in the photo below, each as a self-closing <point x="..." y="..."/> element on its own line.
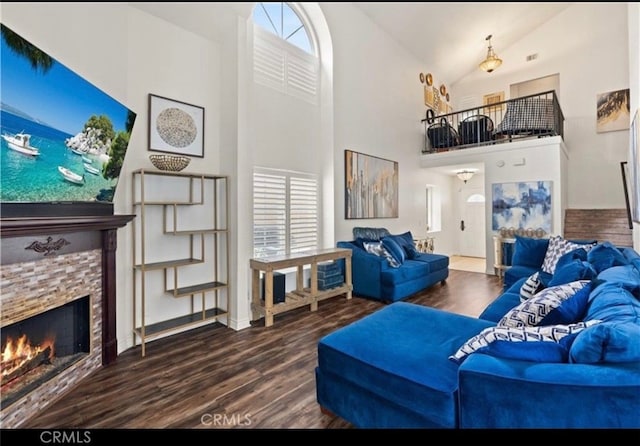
<point x="269" y="214"/>
<point x="282" y="66"/>
<point x="303" y="214"/>
<point x="285" y="212"/>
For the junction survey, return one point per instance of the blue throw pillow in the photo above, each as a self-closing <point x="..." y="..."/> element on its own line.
<point x="540" y="344"/>
<point x="412" y="252"/>
<point x="405" y="239"/>
<point x="409" y="245"/>
<point x="607" y="342"/>
<point x="604" y="256"/>
<point x="576" y="254"/>
<point x="572" y="271"/>
<point x="571" y="310"/>
<point x="394" y="249"/>
<point x="529" y="251"/>
<point x="550" y="306"/>
<point x="558" y="247"/>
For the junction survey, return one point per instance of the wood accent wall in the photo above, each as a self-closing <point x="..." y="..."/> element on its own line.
<point x="610" y="225"/>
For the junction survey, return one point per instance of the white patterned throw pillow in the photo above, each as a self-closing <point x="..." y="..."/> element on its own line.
<point x="558" y="246"/>
<point x="544" y="344"/>
<point x="376" y="248"/>
<point x="530" y="287"/>
<point x="532" y="312"/>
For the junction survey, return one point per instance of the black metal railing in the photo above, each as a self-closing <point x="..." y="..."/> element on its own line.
<point x="532" y="116"/>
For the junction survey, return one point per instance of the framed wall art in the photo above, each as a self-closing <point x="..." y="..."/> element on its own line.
<point x="371" y="186"/>
<point x="428" y="96"/>
<point x="175" y="127"/>
<point x="613" y="111"/>
<point x="523" y="205"/>
<point x="493" y="98"/>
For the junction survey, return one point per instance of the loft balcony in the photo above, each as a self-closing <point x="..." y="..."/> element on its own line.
<point x="528" y="117"/>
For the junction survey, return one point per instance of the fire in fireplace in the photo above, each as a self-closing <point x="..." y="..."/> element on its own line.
<point x="38" y="348"/>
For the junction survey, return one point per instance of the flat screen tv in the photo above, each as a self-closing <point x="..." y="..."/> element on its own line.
<point x="63" y="140"/>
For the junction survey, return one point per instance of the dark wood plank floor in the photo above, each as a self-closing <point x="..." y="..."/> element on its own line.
<point x="217" y="377"/>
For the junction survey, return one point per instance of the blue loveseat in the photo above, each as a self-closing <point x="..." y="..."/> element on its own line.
<point x="400" y="366"/>
<point x="374" y="276"/>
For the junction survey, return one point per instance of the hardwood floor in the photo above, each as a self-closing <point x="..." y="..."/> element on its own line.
<point x="214" y="377"/>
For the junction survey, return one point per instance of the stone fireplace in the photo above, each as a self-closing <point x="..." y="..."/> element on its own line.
<point x="57" y="294"/>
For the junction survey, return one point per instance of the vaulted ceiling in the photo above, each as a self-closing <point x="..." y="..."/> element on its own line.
<point x="447" y="37"/>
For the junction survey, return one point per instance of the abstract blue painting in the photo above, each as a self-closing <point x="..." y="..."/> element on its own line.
<point x="525" y="205"/>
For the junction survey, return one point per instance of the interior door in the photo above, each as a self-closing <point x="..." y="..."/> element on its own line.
<point x="472" y="224"/>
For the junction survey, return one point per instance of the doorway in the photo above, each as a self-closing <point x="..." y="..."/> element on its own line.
<point x="472" y="224"/>
<point x="471" y="229"/>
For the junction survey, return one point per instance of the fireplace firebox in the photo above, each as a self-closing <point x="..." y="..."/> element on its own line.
<point x="40" y="347"/>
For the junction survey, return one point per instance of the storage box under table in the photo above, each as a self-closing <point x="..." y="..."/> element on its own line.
<point x="327" y="270"/>
<point x="330" y="282"/>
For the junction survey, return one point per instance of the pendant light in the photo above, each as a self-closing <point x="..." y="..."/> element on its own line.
<point x="492" y="61"/>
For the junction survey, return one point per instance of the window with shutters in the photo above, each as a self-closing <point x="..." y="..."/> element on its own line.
<point x="284" y="55"/>
<point x="285" y="212"/>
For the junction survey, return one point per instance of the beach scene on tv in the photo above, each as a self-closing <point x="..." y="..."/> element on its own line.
<point x="62" y="138"/>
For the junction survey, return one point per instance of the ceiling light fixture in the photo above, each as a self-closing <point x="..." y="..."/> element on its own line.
<point x="492" y="61"/>
<point x="465" y="175"/>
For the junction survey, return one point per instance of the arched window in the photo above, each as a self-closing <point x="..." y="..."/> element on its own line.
<point x="476" y="198"/>
<point x="280" y="19"/>
<point x="284" y="53"/>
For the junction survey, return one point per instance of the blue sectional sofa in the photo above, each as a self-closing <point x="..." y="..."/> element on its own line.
<point x="412" y="366"/>
<point x="374" y="276"/>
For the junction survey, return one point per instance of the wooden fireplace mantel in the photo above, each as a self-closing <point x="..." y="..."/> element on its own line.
<point x="107" y="225"/>
<point x="19" y="226"/>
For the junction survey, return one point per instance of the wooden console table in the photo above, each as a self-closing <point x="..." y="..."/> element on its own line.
<point x="301" y="296"/>
<point x="500" y="263"/>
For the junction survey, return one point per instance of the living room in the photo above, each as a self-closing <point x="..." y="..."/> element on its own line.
<point x="370" y="101"/>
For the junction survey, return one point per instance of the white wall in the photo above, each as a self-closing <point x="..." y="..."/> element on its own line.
<point x="587" y="44"/>
<point x="541" y="159"/>
<point x="166" y="60"/>
<point x="378" y="105"/>
<point x="129" y="54"/>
